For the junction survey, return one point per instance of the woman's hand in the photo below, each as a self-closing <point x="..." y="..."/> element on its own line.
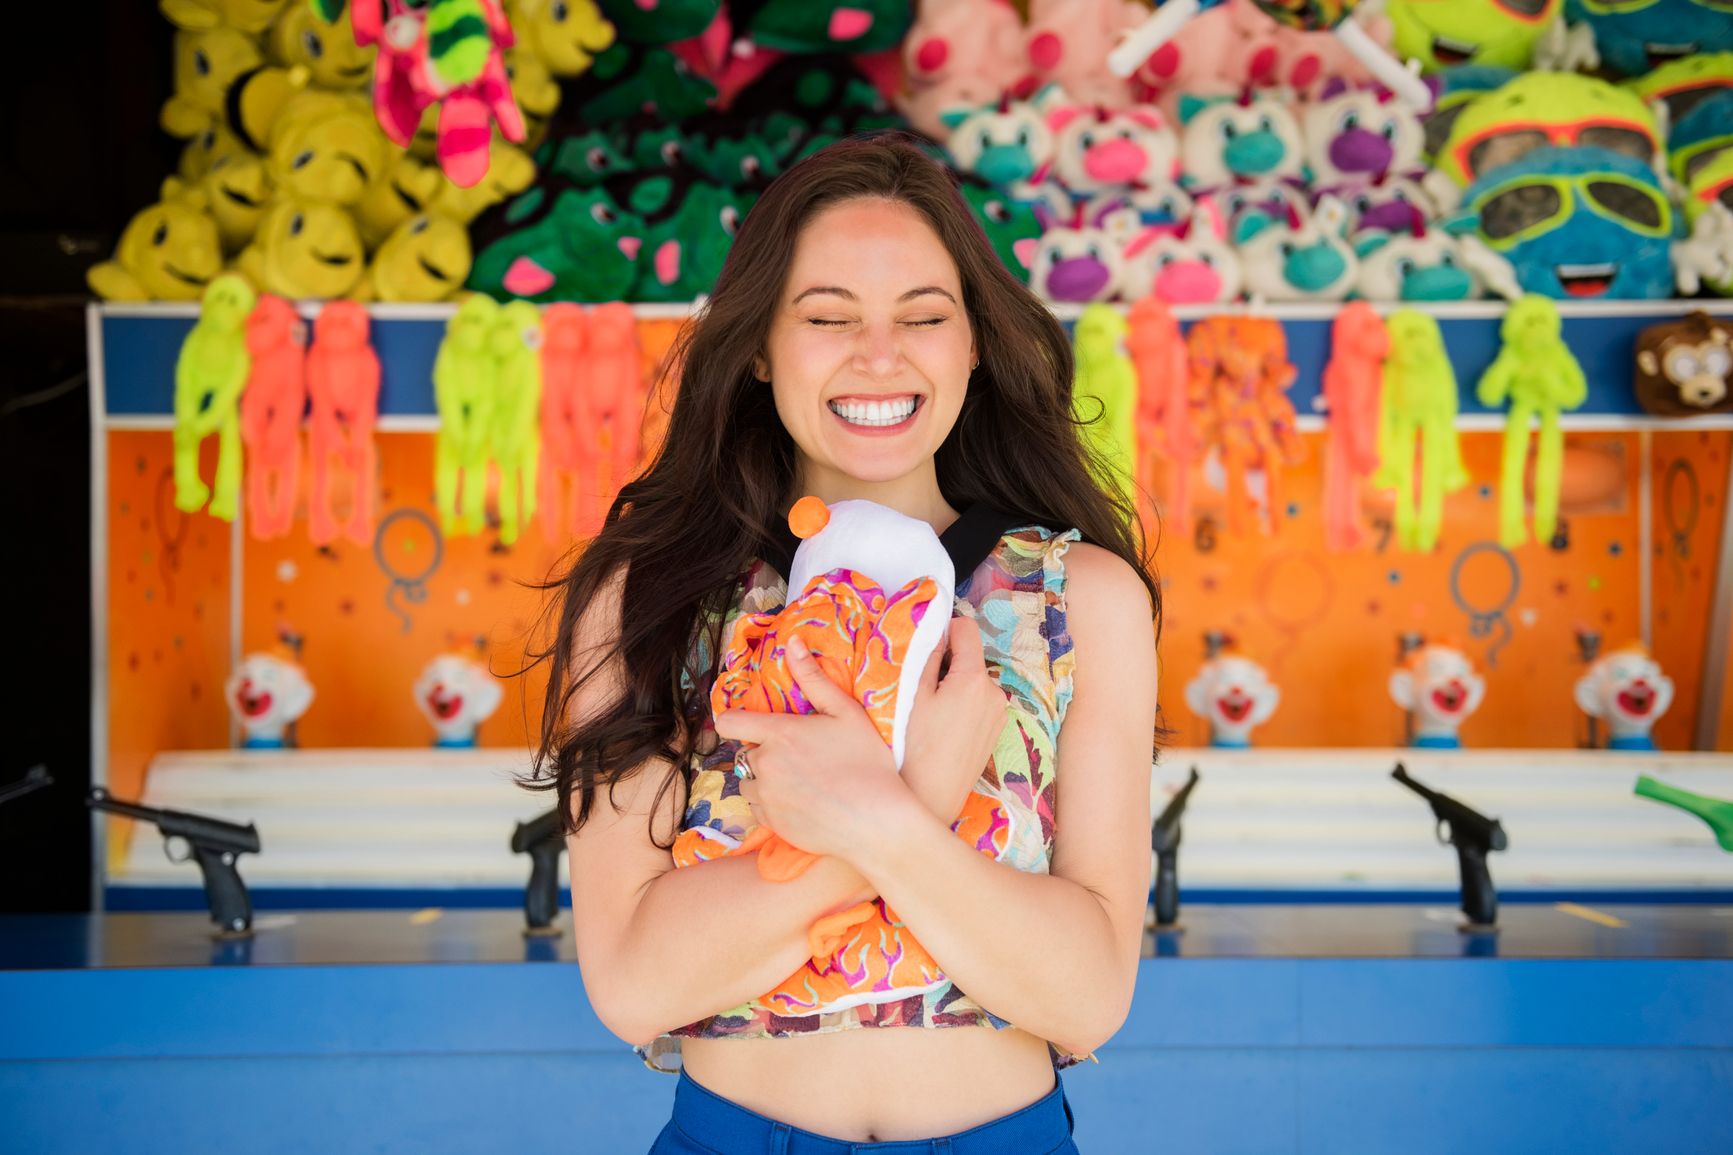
<point x="825" y="781"/>
<point x="955" y="724"/>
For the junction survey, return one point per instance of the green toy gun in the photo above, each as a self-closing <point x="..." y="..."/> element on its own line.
<point x="1717" y="813"/>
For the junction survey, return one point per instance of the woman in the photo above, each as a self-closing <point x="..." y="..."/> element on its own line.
<point x="863" y="341"/>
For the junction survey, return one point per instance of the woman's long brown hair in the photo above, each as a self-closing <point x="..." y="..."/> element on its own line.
<point x="689" y="526"/>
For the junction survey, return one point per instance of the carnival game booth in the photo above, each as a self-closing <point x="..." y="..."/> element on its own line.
<point x="1404" y="375"/>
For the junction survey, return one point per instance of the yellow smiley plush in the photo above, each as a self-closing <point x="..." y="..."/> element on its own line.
<point x="426" y="259"/>
<point x="250" y="16"/>
<point x="205" y="64"/>
<point x="404" y="191"/>
<point x="326" y="147"/>
<point x="304" y="249"/>
<point x="327" y="51"/>
<point x="509" y="171"/>
<point x="168" y="252"/>
<point x="536" y="90"/>
<point x="567" y="35"/>
<point x="236" y="192"/>
<point x="211" y="142"/>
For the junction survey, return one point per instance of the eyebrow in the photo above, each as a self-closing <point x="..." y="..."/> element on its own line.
<point x="846" y="295"/>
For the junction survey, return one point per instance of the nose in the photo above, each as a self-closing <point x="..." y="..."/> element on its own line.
<point x="876" y="353"/>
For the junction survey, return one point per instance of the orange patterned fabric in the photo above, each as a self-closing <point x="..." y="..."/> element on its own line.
<point x="860" y="636"/>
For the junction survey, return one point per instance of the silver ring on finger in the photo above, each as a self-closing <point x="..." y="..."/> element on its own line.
<point x="741" y="767"/>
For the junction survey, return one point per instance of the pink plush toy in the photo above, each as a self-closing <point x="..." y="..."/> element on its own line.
<point x="729" y="63"/>
<point x="1220" y="52"/>
<point x="1067" y="41"/>
<point x="1353" y="386"/>
<point x="565" y="341"/>
<point x="271" y="410"/>
<point x="1098" y="149"/>
<point x="959" y="53"/>
<point x="343" y="382"/>
<point x="1157" y="348"/>
<point x="409" y="75"/>
<point x="1190" y="262"/>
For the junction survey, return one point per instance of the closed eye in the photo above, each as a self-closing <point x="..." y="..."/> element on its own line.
<point x="828" y="321"/>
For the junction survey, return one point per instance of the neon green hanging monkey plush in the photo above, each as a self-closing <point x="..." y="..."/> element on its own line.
<point x="1105" y="393"/>
<point x="1419" y="405"/>
<point x="210" y="374"/>
<point x="464" y="390"/>
<point x="1541" y="377"/>
<point x="516" y="434"/>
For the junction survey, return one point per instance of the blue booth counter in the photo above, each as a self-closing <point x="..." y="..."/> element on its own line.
<point x="1339" y="1029"/>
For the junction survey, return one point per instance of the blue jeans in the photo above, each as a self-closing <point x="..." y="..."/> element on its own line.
<point x="704" y="1123"/>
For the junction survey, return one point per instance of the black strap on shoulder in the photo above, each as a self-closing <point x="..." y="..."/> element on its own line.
<point x="968" y="540"/>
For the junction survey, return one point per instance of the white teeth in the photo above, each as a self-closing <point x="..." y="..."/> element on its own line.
<point x="874" y="413"/>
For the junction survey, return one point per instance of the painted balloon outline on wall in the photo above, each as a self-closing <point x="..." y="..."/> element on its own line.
<point x="1482" y="621"/>
<point x="413" y="588"/>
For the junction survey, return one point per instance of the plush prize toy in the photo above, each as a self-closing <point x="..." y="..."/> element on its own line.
<point x="1008" y="142"/>
<point x="1421" y="264"/>
<point x="1353" y="136"/>
<point x="685" y="249"/>
<point x="592" y="413"/>
<point x="1240" y="376"/>
<point x="566" y="36"/>
<point x="1685" y="366"/>
<point x="1353" y="381"/>
<point x="1184" y="264"/>
<point x="304" y="250"/>
<point x="1078" y="262"/>
<point x="206" y="64"/>
<point x="463" y="392"/>
<point x="1235" y="696"/>
<point x="268" y="693"/>
<point x="1633" y="38"/>
<point x="959" y="54"/>
<point x="1158" y="351"/>
<point x="168" y="252"/>
<point x="271" y="409"/>
<point x="343" y="385"/>
<point x="1437" y="684"/>
<point x="1012" y="228"/>
<point x="1700" y="136"/>
<point x="1095" y="149"/>
<point x="1297" y="15"/>
<point x="1587" y="222"/>
<point x="1456" y="88"/>
<point x="514" y="438"/>
<point x="1628" y="691"/>
<point x="1443" y="34"/>
<point x="456" y="695"/>
<point x="1227" y="140"/>
<point x="426" y="259"/>
<point x="1298" y="259"/>
<point x="1539" y="375"/>
<point x="325" y="48"/>
<point x="1710" y="198"/>
<point x="1547" y="109"/>
<point x="1065" y="41"/>
<point x="1104" y="396"/>
<point x="249" y="16"/>
<point x="210" y="374"/>
<point x="557" y="242"/>
<point x="872" y="636"/>
<point x="1418" y="408"/>
<point x="234" y="191"/>
<point x="536" y="91"/>
<point x="402" y="191"/>
<point x="509" y="172"/>
<point x="444" y="53"/>
<point x="1685" y="84"/>
<point x="325" y="148"/>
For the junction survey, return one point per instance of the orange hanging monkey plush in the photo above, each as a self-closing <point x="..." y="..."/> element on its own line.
<point x="1163" y="411"/>
<point x="343" y="382"/>
<point x="1240" y="375"/>
<point x="271" y="412"/>
<point x="1353" y="386"/>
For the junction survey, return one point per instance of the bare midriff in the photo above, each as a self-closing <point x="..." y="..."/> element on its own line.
<point x="877" y="1085"/>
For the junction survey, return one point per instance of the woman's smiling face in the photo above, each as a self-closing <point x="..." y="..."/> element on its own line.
<point x="870" y="349"/>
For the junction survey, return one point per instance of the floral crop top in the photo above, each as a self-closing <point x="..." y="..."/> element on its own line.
<point x="1017" y="596"/>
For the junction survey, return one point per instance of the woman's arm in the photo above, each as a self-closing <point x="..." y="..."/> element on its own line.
<point x="658" y="947"/>
<point x="1055" y="954"/>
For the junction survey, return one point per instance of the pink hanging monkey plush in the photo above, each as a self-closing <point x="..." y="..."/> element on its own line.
<point x="343" y="382"/>
<point x="1353" y="387"/>
<point x="564" y="347"/>
<point x="271" y="411"/>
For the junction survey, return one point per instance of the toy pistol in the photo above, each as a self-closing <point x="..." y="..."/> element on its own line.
<point x="214" y="843"/>
<point x="1473" y="834"/>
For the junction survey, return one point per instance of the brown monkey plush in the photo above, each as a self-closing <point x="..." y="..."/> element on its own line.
<point x="1685" y="367"/>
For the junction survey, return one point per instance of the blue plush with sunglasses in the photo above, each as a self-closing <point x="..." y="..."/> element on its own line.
<point x="1637" y="36"/>
<point x="1577" y="224"/>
